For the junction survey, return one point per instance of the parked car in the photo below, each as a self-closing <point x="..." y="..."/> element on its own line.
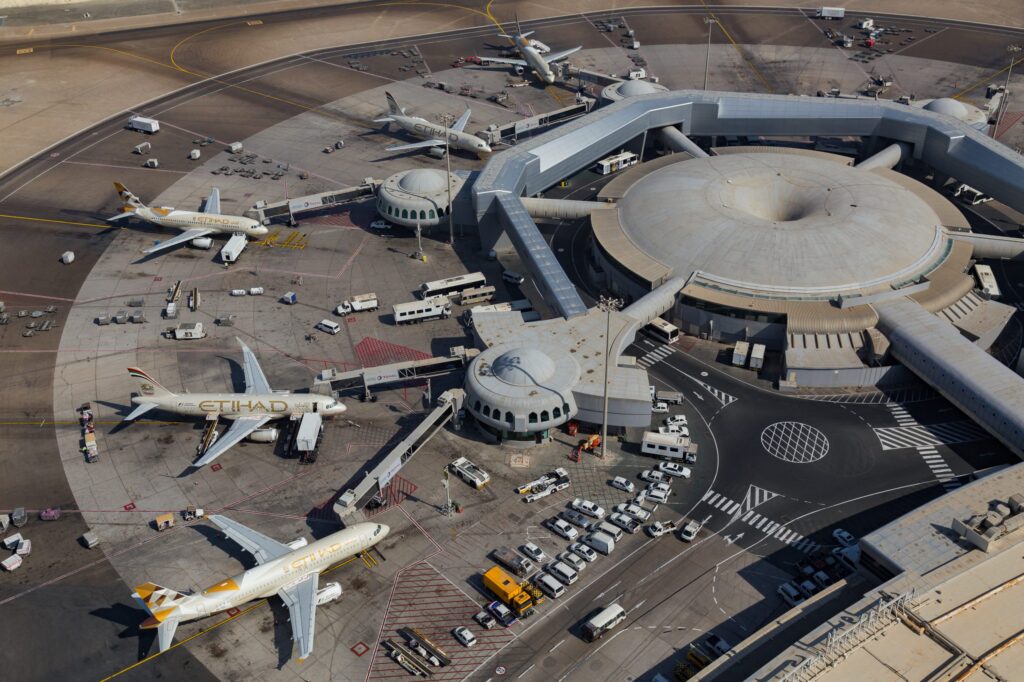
<point x="843" y="538"/>
<point x="562" y="528"/>
<point x="676" y="420"/>
<point x="502" y="613"/>
<point x="674" y="469"/>
<point x="589" y="508"/>
<point x="464" y="636"/>
<point x="663" y="487"/>
<point x="809" y="588"/>
<point x="659" y="496"/>
<point x="822" y="579"/>
<point x="626" y="523"/>
<point x="789" y="594"/>
<point x="634" y="510"/>
<point x="659" y="407"/>
<point x="573" y="559"/>
<point x="717" y="644"/>
<point x="689" y="531"/>
<point x="659" y="528"/>
<point x="576" y="518"/>
<point x="534" y="552"/>
<point x="485" y="620"/>
<point x="622" y="484"/>
<point x="380" y="225"/>
<point x="651" y="475"/>
<point x="586" y="552"/>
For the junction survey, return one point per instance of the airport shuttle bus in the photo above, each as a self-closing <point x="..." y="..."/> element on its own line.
<point x="606" y="619"/>
<point x="987" y="280"/>
<point x="452" y="285"/>
<point x="663" y="331"/>
<point x="477" y="295"/>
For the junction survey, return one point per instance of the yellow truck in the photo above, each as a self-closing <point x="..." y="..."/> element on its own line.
<point x="520" y="597"/>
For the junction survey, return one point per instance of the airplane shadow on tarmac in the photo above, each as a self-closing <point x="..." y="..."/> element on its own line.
<point x="130" y="617"/>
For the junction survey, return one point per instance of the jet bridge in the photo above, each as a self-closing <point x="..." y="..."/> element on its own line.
<point x="448" y="405"/>
<point x="458" y="357"/>
<point x="289" y="210"/>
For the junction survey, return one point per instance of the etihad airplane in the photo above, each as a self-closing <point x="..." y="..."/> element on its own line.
<point x="532" y="59"/>
<point x="291" y="571"/>
<point x="194" y="224"/>
<point x="432" y="134"/>
<point x="249" y="411"/>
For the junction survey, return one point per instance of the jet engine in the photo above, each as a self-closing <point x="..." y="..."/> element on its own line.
<point x="263" y="436"/>
<point x="300" y="542"/>
<point x="328" y="592"/>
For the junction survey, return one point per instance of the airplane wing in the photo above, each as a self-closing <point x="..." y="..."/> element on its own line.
<point x="212" y="202"/>
<point x="259" y="545"/>
<point x="300" y="599"/>
<point x="255" y="379"/>
<point x="240" y="428"/>
<point x="139" y="411"/>
<point x="119" y="216"/>
<point x="561" y="55"/>
<point x="505" y="60"/>
<point x="165" y="633"/>
<point x="182" y="238"/>
<point x="459" y="125"/>
<point x="416" y="145"/>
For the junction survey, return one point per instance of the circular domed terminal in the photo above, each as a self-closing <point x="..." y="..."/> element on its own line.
<point x="416" y="197"/>
<point x="961" y="111"/>
<point x="632" y="88"/>
<point x="516" y="392"/>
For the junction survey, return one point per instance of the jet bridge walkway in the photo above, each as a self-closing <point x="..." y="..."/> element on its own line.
<point x="396" y="372"/>
<point x="448" y="405"/>
<point x="290" y="210"/>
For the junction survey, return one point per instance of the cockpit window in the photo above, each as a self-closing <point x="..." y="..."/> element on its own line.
<point x="376" y="531"/>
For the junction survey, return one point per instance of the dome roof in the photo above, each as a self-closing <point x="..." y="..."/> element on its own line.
<point x="523" y="367"/>
<point x="949" y="107"/>
<point x="633" y="88"/>
<point x="791" y="225"/>
<point x="422" y="181"/>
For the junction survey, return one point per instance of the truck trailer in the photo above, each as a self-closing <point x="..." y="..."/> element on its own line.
<point x="831" y="12"/>
<point x="513" y="561"/>
<point x="517" y="596"/>
<point x="233" y="248"/>
<point x="144" y="125"/>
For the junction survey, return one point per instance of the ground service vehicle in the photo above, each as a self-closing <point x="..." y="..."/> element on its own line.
<point x="477" y="295"/>
<point x="357" y="303"/>
<point x="604" y="620"/>
<point x="557" y="476"/>
<point x="144" y="125"/>
<point x="670" y="397"/>
<point x="451" y="285"/>
<point x="663" y="331"/>
<point x="602" y="542"/>
<point x="987" y="280"/>
<point x="544" y="492"/>
<point x="233" y="248"/>
<point x="470" y="473"/>
<point x="328" y="326"/>
<point x="689" y="531"/>
<point x="626" y="523"/>
<point x="519" y="597"/>
<point x="670" y="446"/>
<point x="659" y="528"/>
<point x="418" y="311"/>
<point x="512" y="561"/>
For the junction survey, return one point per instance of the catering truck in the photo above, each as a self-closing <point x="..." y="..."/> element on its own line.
<point x="520" y="597"/>
<point x="144" y="125"/>
<point x="357" y="303"/>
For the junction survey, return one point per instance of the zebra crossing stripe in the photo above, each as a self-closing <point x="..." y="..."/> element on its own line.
<point x="708" y="494"/>
<point x="731" y="507"/>
<point x="761" y="522"/>
<point x="747" y="515"/>
<point x="722" y="502"/>
<point x="714" y="498"/>
<point x="770" y="528"/>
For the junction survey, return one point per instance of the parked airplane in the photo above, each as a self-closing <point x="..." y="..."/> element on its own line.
<point x="194" y="224"/>
<point x="532" y="59"/>
<point x="291" y="571"/>
<point x="249" y="411"/>
<point x="432" y="133"/>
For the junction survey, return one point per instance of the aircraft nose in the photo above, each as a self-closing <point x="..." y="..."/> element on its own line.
<point x="261" y="230"/>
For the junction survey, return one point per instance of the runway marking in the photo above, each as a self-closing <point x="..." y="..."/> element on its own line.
<point x="925" y="435"/>
<point x="101" y="226"/>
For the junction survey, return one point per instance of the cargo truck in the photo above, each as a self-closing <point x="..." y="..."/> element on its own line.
<point x="757" y="356"/>
<point x="233" y="249"/>
<point x="144" y="125"/>
<point x="358" y="303"/>
<point x="670" y="397"/>
<point x="739" y="353"/>
<point x="520" y="597"/>
<point x="831" y="12"/>
<point x="513" y="561"/>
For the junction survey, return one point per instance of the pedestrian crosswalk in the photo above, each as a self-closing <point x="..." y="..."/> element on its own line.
<point x="718" y="394"/>
<point x="655" y="356"/>
<point x="747" y="514"/>
<point x="926" y="435"/>
<point x="939" y="468"/>
<point x="900" y="414"/>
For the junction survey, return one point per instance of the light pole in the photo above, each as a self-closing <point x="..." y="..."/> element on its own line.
<point x="1013" y="50"/>
<point x="607" y="304"/>
<point x="448" y="180"/>
<point x="707" y="59"/>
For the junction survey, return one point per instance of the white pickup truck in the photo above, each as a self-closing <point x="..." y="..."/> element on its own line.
<point x="357" y="304"/>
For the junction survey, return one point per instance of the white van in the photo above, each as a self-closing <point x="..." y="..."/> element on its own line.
<point x="328" y="326"/>
<point x="603" y="621"/>
<point x="563" y="572"/>
<point x="670" y="446"/>
<point x="608" y="529"/>
<point x="550" y="586"/>
<point x="513" y="277"/>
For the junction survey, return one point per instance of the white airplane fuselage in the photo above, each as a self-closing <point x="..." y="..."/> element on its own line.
<point x="235" y="405"/>
<point x="268" y="579"/>
<point x="191" y="220"/>
<point x="533" y="58"/>
<point x="425" y="130"/>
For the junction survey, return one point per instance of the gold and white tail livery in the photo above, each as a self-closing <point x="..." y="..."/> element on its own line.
<point x="194" y="224"/>
<point x="248" y="411"/>
<point x="291" y="571"/>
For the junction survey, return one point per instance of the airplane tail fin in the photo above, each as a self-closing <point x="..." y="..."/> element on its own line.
<point x="393" y="107"/>
<point x="162" y="604"/>
<point x="527" y="34"/>
<point x="148" y="386"/>
<point x="129" y="202"/>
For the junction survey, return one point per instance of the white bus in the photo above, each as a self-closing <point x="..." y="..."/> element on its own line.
<point x="606" y="619"/>
<point x="617" y="162"/>
<point x="987" y="281"/>
<point x="666" y="332"/>
<point x="470" y="473"/>
<point x="417" y="311"/>
<point x="445" y="287"/>
<point x="477" y="295"/>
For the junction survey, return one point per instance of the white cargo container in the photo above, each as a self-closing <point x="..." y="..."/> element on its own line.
<point x="194" y="154"/>
<point x="358" y="303"/>
<point x="256" y="291"/>
<point x="238" y="292"/>
<point x="739" y="353"/>
<point x="757" y="356"/>
<point x="417" y="311"/>
<point x="189" y="331"/>
<point x="144" y="125"/>
<point x="12" y="562"/>
<point x="309" y="431"/>
<point x="67" y="258"/>
<point x="24" y="547"/>
<point x="233" y="249"/>
<point x="235" y="148"/>
<point x="831" y="12"/>
<point x="11" y="542"/>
